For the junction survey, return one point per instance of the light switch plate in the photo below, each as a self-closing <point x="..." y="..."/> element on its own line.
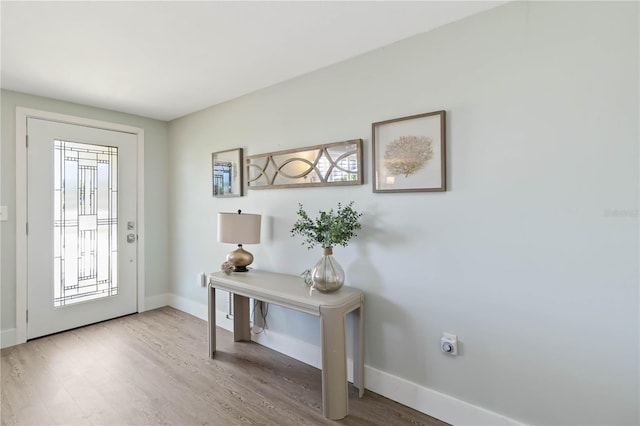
<point x="4" y="213"/>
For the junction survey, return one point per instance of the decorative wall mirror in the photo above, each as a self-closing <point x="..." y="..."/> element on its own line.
<point x="227" y="173"/>
<point x="338" y="163"/>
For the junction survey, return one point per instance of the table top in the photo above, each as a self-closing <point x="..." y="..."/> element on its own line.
<point x="286" y="290"/>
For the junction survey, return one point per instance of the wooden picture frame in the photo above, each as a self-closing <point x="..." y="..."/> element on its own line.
<point x="227" y="173"/>
<point x="409" y="154"/>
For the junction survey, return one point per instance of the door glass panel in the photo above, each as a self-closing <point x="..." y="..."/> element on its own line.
<point x="85" y="222"/>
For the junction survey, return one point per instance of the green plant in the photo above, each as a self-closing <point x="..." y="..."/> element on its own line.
<point x="329" y="229"/>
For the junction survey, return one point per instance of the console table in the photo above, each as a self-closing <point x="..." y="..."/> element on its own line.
<point x="292" y="292"/>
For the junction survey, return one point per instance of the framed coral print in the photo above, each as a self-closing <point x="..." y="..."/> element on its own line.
<point x="409" y="154"/>
<point x="227" y="173"/>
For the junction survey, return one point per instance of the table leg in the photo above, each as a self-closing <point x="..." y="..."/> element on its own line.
<point x="241" y="319"/>
<point x="211" y="331"/>
<point x="358" y="355"/>
<point x="335" y="396"/>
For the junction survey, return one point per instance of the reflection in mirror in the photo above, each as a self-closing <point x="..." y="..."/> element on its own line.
<point x="338" y="163"/>
<point x="227" y="173"/>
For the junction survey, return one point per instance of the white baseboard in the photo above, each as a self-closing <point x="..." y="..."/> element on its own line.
<point x="297" y="349"/>
<point x="200" y="310"/>
<point x="196" y="309"/>
<point x="8" y="338"/>
<point x="431" y="402"/>
<point x="157" y="301"/>
<point x="425" y="400"/>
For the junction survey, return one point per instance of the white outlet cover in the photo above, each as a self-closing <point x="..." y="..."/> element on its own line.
<point x="4" y="213"/>
<point x="449" y="344"/>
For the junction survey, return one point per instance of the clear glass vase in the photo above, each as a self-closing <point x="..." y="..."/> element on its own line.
<point x="327" y="275"/>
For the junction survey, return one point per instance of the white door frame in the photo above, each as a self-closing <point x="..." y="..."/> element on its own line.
<point x="22" y="114"/>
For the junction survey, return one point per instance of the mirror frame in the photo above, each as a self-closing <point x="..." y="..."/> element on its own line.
<point x="269" y="169"/>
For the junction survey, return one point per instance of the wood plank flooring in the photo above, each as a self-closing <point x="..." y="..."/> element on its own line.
<point x="152" y="368"/>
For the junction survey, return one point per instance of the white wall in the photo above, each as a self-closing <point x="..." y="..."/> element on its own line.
<point x="156" y="194"/>
<point x="530" y="257"/>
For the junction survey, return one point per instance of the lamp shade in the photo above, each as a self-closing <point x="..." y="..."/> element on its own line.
<point x="239" y="228"/>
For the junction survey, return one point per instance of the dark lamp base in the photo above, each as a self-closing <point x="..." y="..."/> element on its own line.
<point x="241" y="269"/>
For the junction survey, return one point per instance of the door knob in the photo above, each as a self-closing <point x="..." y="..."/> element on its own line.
<point x="131" y="238"/>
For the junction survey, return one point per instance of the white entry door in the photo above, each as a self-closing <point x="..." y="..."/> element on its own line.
<point x="81" y="229"/>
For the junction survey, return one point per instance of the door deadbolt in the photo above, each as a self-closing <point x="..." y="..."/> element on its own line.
<point x="131" y="238"/>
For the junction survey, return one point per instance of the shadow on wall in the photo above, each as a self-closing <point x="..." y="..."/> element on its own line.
<point x="382" y="316"/>
<point x="365" y="272"/>
<point x="386" y="321"/>
<point x="373" y="233"/>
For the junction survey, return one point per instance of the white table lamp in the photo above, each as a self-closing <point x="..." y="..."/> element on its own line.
<point x="239" y="228"/>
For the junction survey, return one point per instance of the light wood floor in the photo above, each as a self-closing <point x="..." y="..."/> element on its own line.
<point x="152" y="368"/>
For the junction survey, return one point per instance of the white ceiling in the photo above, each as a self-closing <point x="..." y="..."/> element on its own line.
<point x="166" y="59"/>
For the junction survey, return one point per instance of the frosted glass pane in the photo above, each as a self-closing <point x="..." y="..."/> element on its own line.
<point x="88" y="222"/>
<point x="104" y="253"/>
<point x="85" y="222"/>
<point x="70" y="257"/>
<point x="103" y="191"/>
<point x="70" y="188"/>
<point x="114" y="167"/>
<point x="57" y="273"/>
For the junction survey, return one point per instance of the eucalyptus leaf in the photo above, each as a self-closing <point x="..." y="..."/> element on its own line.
<point x="329" y="228"/>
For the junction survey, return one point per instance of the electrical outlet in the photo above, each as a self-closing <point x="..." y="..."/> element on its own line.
<point x="449" y="344"/>
<point x="4" y="213"/>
